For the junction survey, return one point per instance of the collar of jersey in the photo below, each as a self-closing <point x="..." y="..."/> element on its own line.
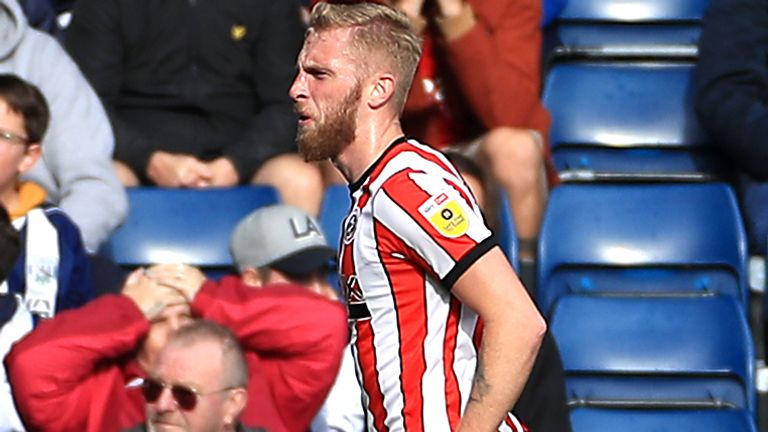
<point x="354" y="186"/>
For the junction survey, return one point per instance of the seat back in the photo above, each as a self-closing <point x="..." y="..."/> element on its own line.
<point x="684" y="352"/>
<point x="334" y="208"/>
<point x="641" y="238"/>
<point x="192" y="226"/>
<point x="635" y="28"/>
<point x="611" y="420"/>
<point x="626" y="118"/>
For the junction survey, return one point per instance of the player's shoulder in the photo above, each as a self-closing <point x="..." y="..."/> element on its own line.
<point x="416" y="165"/>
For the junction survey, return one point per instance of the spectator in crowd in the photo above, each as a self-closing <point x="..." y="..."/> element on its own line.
<point x="542" y="405"/>
<point x="15" y="322"/>
<point x="9" y="244"/>
<point x="53" y="272"/>
<point x="193" y="108"/>
<point x="76" y="171"/>
<point x="732" y="100"/>
<point x="83" y="370"/>
<point x="283" y="244"/>
<point x="476" y="90"/>
<point x="206" y="374"/>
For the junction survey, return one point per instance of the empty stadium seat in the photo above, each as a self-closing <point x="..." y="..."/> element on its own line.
<point x="638" y="420"/>
<point x="652" y="352"/>
<point x="628" y="28"/>
<point x="640" y="239"/>
<point x="625" y="120"/>
<point x="192" y="226"/>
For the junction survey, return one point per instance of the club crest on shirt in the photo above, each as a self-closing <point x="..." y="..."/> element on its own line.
<point x="350" y="225"/>
<point x="445" y="214"/>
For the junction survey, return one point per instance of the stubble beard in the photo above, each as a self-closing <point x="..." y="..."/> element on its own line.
<point x="330" y="138"/>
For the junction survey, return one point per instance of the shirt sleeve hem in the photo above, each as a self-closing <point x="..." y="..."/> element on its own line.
<point x="467" y="260"/>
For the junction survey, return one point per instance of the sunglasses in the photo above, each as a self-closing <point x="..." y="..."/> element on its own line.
<point x="186" y="397"/>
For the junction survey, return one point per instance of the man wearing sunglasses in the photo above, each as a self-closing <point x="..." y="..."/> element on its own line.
<point x="198" y="381"/>
<point x="84" y="370"/>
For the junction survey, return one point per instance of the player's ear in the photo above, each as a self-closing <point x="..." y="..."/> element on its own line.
<point x="381" y="90"/>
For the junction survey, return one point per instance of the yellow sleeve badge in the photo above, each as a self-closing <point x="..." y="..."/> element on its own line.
<point x="446" y="215"/>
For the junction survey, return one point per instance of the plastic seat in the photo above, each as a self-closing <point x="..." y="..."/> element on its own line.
<point x="192" y="226"/>
<point x="334" y="208"/>
<point x="612" y="420"/>
<point x="625" y="120"/>
<point x="641" y="239"/>
<point x="629" y="28"/>
<point x="644" y="352"/>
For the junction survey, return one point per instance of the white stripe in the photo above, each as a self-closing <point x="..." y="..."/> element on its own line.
<point x="384" y="323"/>
<point x="433" y="384"/>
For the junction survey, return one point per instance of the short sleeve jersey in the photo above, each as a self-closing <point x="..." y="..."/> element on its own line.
<point x="413" y="229"/>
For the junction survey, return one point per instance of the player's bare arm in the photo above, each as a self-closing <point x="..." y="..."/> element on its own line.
<point x="511" y="338"/>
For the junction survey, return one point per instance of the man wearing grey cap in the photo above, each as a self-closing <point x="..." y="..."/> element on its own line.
<point x="283" y="244"/>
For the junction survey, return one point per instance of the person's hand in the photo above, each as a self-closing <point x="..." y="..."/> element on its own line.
<point x="150" y="297"/>
<point x="186" y="279"/>
<point x="450" y="8"/>
<point x="223" y="173"/>
<point x="177" y="170"/>
<point x="411" y="8"/>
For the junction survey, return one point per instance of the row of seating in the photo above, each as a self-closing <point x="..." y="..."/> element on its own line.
<point x="642" y="253"/>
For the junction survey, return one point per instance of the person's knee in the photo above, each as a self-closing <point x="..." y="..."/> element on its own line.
<point x="299" y="183"/>
<point x="516" y="155"/>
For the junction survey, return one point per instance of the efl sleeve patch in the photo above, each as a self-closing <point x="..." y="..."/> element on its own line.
<point x="445" y="214"/>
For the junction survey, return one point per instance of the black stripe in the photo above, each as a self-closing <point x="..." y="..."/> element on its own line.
<point x="467" y="260"/>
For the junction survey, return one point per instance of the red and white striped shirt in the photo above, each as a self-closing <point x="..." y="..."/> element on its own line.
<point x="413" y="229"/>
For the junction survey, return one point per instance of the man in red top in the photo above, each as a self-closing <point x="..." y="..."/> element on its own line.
<point x="476" y="91"/>
<point x="83" y="370"/>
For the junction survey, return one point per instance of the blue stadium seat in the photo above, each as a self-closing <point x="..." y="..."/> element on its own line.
<point x="336" y="203"/>
<point x="634" y="28"/>
<point x="192" y="226"/>
<point x="626" y="119"/>
<point x="333" y="210"/>
<point x="650" y="352"/>
<point x="655" y="238"/>
<point x="507" y="233"/>
<point x="612" y="420"/>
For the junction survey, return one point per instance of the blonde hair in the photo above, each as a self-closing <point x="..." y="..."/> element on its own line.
<point x="378" y="29"/>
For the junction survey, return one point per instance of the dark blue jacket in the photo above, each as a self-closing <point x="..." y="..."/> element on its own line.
<point x="75" y="286"/>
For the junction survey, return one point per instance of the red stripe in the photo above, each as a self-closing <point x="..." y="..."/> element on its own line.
<point x="366" y="354"/>
<point x="508" y="421"/>
<point x="423" y="151"/>
<point x="452" y="392"/>
<point x="477" y="336"/>
<point x="464" y="196"/>
<point x="408" y="292"/>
